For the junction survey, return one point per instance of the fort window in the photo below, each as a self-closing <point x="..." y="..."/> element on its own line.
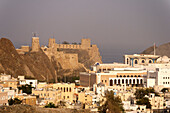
<point x="102" y="80"/>
<point x="67" y="89"/>
<point x="120" y="75"/>
<point x="133" y="81"/>
<point x="131" y="75"/>
<point x="70" y="89"/>
<point x="137" y="81"/>
<point x="64" y="89"/>
<point x="124" y="76"/>
<point x="135" y="75"/>
<point x="150" y="61"/>
<point x="117" y="75"/>
<point x="128" y="76"/>
<point x="105" y="81"/>
<point x="136" y="62"/>
<point x="138" y="75"/>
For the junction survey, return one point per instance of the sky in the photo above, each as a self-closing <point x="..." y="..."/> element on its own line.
<point x="118" y="27"/>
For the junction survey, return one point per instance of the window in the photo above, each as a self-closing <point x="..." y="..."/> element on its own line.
<point x="150" y="61"/>
<point x="105" y="81"/>
<point x="136" y="62"/>
<point x="102" y="80"/>
<point x="143" y="61"/>
<point x="67" y="96"/>
<point x="128" y="76"/>
<point x="70" y="89"/>
<point x="124" y="76"/>
<point x="131" y="75"/>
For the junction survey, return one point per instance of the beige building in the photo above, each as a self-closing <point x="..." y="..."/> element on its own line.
<point x="117" y="76"/>
<point x="67" y="90"/>
<point x="27" y="99"/>
<point x="157" y="102"/>
<point x="3" y="98"/>
<point x="48" y="94"/>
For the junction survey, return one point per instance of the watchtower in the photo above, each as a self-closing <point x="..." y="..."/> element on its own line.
<point x="85" y="43"/>
<point x="51" y="42"/>
<point x="35" y="44"/>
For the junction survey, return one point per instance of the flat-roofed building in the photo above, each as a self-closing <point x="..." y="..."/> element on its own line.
<point x="48" y="94"/>
<point x="3" y="98"/>
<point x="117" y="76"/>
<point x="67" y="90"/>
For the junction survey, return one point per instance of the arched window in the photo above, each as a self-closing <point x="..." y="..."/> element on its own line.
<point x="137" y="81"/>
<point x="64" y="89"/>
<point x="130" y="81"/>
<point x="141" y="81"/>
<point x="117" y="75"/>
<point x="124" y="76"/>
<point x="119" y="81"/>
<point x="127" y="61"/>
<point x="136" y="61"/>
<point x="126" y="81"/>
<point x="135" y="75"/>
<point x="143" y="61"/>
<point x="131" y="75"/>
<point x="115" y="82"/>
<point x="138" y="75"/>
<point x="111" y="82"/>
<point x="70" y="89"/>
<point x="127" y="75"/>
<point x="122" y="81"/>
<point x="133" y="81"/>
<point x="150" y="61"/>
<point x="120" y="75"/>
<point x="67" y="89"/>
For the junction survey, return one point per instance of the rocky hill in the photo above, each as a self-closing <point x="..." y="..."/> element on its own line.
<point x="162" y="50"/>
<point x="34" y="109"/>
<point x="43" y="66"/>
<point x="32" y="65"/>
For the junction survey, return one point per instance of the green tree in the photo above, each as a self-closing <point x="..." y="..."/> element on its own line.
<point x="164" y="90"/>
<point x="26" y="88"/>
<point x="112" y="104"/>
<point x="74" y="43"/>
<point x="65" y="42"/>
<point x="14" y="101"/>
<point x="144" y="101"/>
<point x="50" y="105"/>
<point x="140" y="93"/>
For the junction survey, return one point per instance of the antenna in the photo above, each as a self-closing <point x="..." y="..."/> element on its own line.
<point x="34" y="34"/>
<point x="154" y="49"/>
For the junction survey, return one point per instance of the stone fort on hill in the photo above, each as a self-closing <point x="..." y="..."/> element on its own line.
<point x="85" y="44"/>
<point x="67" y="56"/>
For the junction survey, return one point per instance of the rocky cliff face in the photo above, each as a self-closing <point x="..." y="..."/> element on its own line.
<point x="162" y="50"/>
<point x="32" y="64"/>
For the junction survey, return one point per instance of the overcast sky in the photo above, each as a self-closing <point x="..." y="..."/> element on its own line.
<point x="118" y="27"/>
